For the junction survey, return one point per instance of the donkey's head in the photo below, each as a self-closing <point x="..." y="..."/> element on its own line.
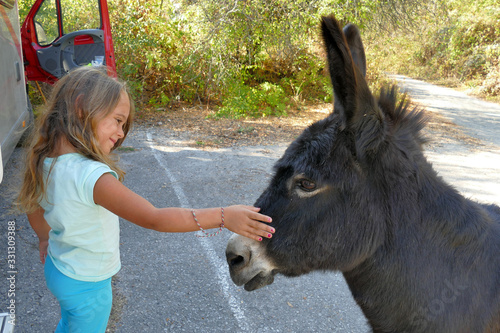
<point x="326" y="197"/>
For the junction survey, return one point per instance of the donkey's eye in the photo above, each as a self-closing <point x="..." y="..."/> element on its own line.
<point x="307" y="185"/>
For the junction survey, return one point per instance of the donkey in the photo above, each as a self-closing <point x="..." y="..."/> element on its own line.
<point x="354" y="193"/>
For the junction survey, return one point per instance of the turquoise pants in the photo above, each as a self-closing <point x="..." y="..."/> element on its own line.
<point x="85" y="306"/>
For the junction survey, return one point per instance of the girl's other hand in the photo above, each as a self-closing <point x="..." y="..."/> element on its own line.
<point x="43" y="246"/>
<point x="245" y="220"/>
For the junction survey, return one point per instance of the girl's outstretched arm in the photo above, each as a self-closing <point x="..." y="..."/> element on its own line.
<point x="117" y="198"/>
<point x="41" y="228"/>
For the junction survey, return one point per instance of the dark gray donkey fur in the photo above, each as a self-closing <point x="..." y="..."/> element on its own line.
<point x="355" y="193"/>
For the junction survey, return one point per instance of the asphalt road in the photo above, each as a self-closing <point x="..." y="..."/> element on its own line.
<point x="180" y="283"/>
<point x="474" y="169"/>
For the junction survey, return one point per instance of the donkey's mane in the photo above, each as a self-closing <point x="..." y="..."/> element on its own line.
<point x="406" y="120"/>
<point x="405" y="123"/>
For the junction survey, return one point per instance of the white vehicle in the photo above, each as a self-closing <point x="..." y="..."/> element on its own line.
<point x="15" y="111"/>
<point x="56" y="36"/>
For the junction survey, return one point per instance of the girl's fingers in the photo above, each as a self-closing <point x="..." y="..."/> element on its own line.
<point x="263" y="230"/>
<point x="251" y="224"/>
<point x="254" y="237"/>
<point x="260" y="217"/>
<point x="255" y="230"/>
<point x="257" y="235"/>
<point x="262" y="226"/>
<point x="264" y="218"/>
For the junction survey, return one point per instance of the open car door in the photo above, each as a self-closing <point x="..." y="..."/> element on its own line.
<point x="59" y="35"/>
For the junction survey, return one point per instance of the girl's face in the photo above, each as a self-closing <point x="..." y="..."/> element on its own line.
<point x="110" y="128"/>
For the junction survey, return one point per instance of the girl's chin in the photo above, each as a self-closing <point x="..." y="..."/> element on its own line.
<point x="106" y="149"/>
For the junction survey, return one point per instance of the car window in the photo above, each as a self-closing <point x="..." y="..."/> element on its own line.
<point x="76" y="15"/>
<point x="46" y="23"/>
<point x="80" y="15"/>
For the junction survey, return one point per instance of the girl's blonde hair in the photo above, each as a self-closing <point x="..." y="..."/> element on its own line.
<point x="78" y="102"/>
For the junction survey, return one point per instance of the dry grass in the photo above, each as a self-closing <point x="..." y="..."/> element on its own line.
<point x="191" y="125"/>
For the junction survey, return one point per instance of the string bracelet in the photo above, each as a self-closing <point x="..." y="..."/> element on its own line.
<point x="206" y="234"/>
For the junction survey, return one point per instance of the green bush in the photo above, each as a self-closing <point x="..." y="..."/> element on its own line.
<point x="459" y="47"/>
<point x="243" y="101"/>
<point x="259" y="57"/>
<point x="194" y="52"/>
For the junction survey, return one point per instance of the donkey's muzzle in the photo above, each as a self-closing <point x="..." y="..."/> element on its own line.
<point x="248" y="264"/>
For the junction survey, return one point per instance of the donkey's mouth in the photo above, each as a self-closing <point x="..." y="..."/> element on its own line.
<point x="248" y="263"/>
<point x="259" y="281"/>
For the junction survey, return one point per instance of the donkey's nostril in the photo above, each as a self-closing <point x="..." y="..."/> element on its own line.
<point x="237" y="260"/>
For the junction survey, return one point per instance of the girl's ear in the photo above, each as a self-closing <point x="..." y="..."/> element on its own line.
<point x="79" y="113"/>
<point x="78" y="108"/>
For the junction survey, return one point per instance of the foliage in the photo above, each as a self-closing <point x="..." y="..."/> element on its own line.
<point x="467" y="48"/>
<point x="460" y="48"/>
<point x="24" y="8"/>
<point x="259" y="57"/>
<point x="198" y="51"/>
<point x="266" y="99"/>
<point x="150" y="48"/>
<point x="257" y="48"/>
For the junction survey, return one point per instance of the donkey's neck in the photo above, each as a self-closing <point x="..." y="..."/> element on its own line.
<point x="441" y="233"/>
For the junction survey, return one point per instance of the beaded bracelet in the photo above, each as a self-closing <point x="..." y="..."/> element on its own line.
<point x="206" y="234"/>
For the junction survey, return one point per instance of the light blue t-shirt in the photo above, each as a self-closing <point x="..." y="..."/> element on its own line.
<point x="84" y="240"/>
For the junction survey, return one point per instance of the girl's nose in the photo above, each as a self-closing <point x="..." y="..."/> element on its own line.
<point x="121" y="134"/>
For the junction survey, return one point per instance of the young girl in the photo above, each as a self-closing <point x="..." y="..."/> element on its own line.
<point x="73" y="196"/>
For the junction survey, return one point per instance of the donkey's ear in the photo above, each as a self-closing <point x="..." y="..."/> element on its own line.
<point x="353" y="38"/>
<point x="347" y="66"/>
<point x="353" y="99"/>
<point x="341" y="68"/>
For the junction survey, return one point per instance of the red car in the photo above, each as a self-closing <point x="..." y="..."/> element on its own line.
<point x="55" y="37"/>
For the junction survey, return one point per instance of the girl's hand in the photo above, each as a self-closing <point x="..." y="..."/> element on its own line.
<point x="42" y="229"/>
<point x="244" y="220"/>
<point x="42" y="246"/>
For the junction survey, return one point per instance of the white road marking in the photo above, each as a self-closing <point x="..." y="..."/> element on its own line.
<point x="222" y="274"/>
